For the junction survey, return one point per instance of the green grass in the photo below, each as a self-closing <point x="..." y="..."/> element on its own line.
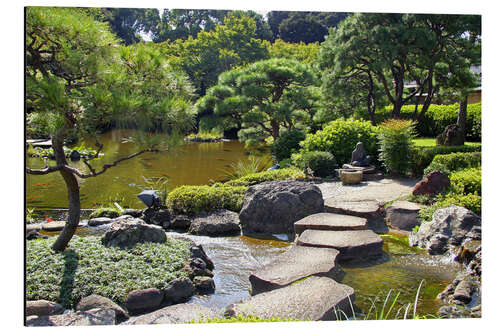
<point x="431" y="142"/>
<point x="87" y="267"/>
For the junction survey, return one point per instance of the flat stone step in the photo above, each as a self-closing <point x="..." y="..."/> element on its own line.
<point x="59" y="225"/>
<point x="330" y="221"/>
<point x="403" y="215"/>
<point x="352" y="244"/>
<point x="315" y="298"/>
<point x="296" y="263"/>
<point x="370" y="210"/>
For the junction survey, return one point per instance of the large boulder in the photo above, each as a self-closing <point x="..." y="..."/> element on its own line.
<point x="432" y="184"/>
<point x="450" y="226"/>
<point x="179" y="290"/>
<point x="157" y="216"/>
<point x="101" y="302"/>
<point x="273" y="207"/>
<point x="220" y="223"/>
<point x="315" y="298"/>
<point x="175" y="314"/>
<point x="296" y="263"/>
<point x="79" y="318"/>
<point x="144" y="300"/>
<point x="129" y="232"/>
<point x="451" y="136"/>
<point x="43" y="308"/>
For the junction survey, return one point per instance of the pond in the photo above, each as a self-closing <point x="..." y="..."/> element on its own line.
<point x="189" y="164"/>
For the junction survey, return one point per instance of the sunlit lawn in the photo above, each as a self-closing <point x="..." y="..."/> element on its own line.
<point x="431" y="142"/>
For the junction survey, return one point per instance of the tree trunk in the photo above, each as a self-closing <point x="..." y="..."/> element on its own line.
<point x="275" y="129"/>
<point x="462" y="114"/>
<point x="396" y="111"/>
<point x="73" y="198"/>
<point x="370" y="101"/>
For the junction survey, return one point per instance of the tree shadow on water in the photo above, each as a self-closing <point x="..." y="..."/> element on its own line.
<point x="67" y="282"/>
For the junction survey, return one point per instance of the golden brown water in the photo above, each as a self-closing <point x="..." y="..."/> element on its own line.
<point x="189" y="164"/>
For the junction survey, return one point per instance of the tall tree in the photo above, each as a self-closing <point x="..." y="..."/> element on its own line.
<point x="399" y="48"/>
<point x="128" y="23"/>
<point x="211" y="53"/>
<point x="264" y="97"/>
<point x="77" y="75"/>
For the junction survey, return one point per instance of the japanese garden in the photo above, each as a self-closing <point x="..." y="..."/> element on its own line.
<point x="220" y="166"/>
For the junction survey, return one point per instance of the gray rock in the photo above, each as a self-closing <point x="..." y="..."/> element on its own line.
<point x="198" y="252"/>
<point x="100" y="302"/>
<point x="180" y="222"/>
<point x="33" y="227"/>
<point x="463" y="292"/>
<point x="273" y="207"/>
<point x="196" y="267"/>
<point x="296" y="263"/>
<point x="157" y="216"/>
<point x="43" y="308"/>
<point x="204" y="285"/>
<point x="370" y="210"/>
<point x="403" y="215"/>
<point x="352" y="244"/>
<point x="175" y="314"/>
<point x="130" y="232"/>
<point x="179" y="290"/>
<point x="53" y="226"/>
<point x="100" y="221"/>
<point x="133" y="212"/>
<point x="449" y="226"/>
<point x="220" y="223"/>
<point x="140" y="301"/>
<point x="85" y="318"/>
<point x="330" y="221"/>
<point x="315" y="298"/>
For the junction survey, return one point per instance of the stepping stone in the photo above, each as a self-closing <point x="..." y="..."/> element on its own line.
<point x="330" y="221"/>
<point x="352" y="244"/>
<point x="99" y="221"/>
<point x="175" y="314"/>
<point x="315" y="298"/>
<point x="33" y="227"/>
<point x="403" y="215"/>
<point x="371" y="210"/>
<point x="57" y="226"/>
<point x="296" y="263"/>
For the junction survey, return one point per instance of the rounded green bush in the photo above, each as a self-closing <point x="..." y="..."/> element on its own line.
<point x="340" y="137"/>
<point x="448" y="163"/>
<point x="321" y="163"/>
<point x="396" y="145"/>
<point x="265" y="176"/>
<point x="423" y="156"/>
<point x="286" y="144"/>
<point x="466" y="181"/>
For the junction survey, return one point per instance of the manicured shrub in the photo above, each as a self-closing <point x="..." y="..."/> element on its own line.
<point x="437" y="118"/>
<point x="448" y="163"/>
<point x="256" y="178"/>
<point x="110" y="212"/>
<point x="466" y="181"/>
<point x="190" y="199"/>
<point x="423" y="156"/>
<point x="321" y="163"/>
<point x="469" y="201"/>
<point x="286" y="144"/>
<point x="87" y="267"/>
<point x="340" y="137"/>
<point x="396" y="145"/>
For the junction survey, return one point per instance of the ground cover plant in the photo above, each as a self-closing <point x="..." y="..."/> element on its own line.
<point x="87" y="267"/>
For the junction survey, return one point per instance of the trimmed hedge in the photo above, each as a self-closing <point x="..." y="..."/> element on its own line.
<point x="437" y="118"/>
<point x="423" y="156"/>
<point x="265" y="176"/>
<point x="87" y="267"/>
<point x="321" y="163"/>
<point x="192" y="199"/>
<point x="455" y="161"/>
<point x="340" y="137"/>
<point x="466" y="181"/>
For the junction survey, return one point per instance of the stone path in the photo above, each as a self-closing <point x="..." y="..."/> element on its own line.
<point x="328" y="221"/>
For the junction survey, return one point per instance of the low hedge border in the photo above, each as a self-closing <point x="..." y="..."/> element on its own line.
<point x="423" y="156"/>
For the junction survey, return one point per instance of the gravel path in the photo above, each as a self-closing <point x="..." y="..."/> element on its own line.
<point x="382" y="191"/>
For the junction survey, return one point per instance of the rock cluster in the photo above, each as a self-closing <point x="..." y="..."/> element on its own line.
<point x="432" y="184"/>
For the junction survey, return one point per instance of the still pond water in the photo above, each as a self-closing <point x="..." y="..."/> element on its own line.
<point x="189" y="164"/>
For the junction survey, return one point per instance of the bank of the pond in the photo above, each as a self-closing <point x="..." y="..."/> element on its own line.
<point x="193" y="163"/>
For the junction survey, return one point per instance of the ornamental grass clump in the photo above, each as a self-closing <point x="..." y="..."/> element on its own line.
<point x="396" y="145"/>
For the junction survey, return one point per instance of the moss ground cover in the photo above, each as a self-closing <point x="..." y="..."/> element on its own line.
<point x="87" y="267"/>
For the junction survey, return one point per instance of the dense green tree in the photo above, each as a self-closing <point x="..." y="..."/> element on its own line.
<point x="211" y="53"/>
<point x="306" y="53"/>
<point x="264" y="97"/>
<point x="77" y="76"/>
<point x="398" y="48"/>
